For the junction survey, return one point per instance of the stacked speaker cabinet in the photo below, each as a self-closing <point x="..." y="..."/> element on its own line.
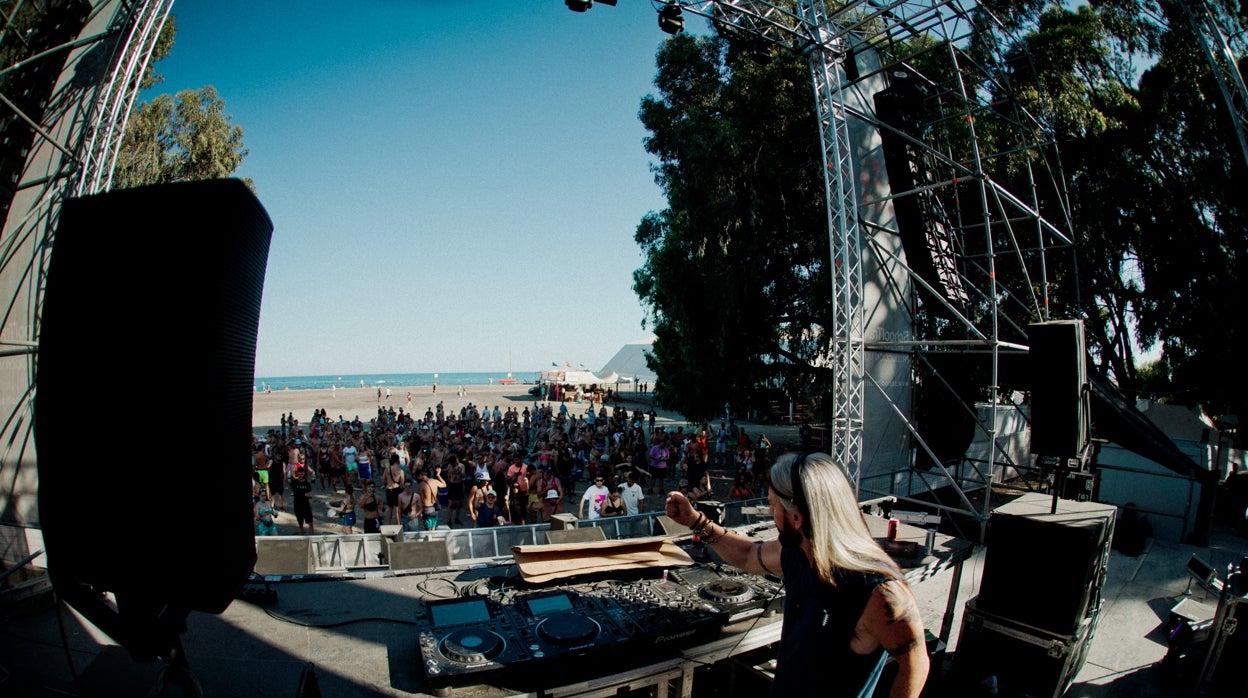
<point x="147" y="344"/>
<point x="1044" y="568"/>
<point x="1024" y="661"/>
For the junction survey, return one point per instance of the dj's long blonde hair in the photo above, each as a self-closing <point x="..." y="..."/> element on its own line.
<point x="838" y="534"/>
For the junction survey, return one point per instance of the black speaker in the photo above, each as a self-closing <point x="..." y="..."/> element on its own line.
<point x="1020" y="661"/>
<point x="1228" y="657"/>
<point x="1060" y="397"/>
<point x="1044" y="569"/>
<point x="147" y="347"/>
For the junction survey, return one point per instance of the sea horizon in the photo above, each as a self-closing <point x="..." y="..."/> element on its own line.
<point x="393" y="381"/>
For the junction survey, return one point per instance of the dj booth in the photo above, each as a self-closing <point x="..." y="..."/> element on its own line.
<point x="487" y="629"/>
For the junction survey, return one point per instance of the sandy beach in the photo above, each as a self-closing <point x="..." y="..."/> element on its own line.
<point x="268" y="408"/>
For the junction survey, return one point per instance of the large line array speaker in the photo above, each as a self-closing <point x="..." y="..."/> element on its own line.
<point x="148" y="342"/>
<point x="1042" y="568"/>
<point x="1060" y="395"/>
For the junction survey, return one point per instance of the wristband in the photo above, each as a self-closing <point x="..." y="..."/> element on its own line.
<point x="708" y="536"/>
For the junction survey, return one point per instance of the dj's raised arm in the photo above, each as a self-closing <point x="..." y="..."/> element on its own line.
<point x="847" y="607"/>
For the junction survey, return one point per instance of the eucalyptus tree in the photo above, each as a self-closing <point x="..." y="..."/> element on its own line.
<point x="734" y="269"/>
<point x="178" y="138"/>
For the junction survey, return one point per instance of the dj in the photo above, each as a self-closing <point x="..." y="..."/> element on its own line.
<point x="847" y="607"/>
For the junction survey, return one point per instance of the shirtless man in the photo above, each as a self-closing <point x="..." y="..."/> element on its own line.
<point x="428" y="495"/>
<point x="408" y="500"/>
<point x="392" y="479"/>
<point x="454" y="476"/>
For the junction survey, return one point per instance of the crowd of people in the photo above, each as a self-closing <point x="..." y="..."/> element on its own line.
<point x="487" y="466"/>
<point x="846" y="601"/>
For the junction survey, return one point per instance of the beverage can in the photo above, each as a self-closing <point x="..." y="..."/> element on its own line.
<point x="892" y="529"/>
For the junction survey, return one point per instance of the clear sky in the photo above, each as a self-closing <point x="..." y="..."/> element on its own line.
<point x="454" y="184"/>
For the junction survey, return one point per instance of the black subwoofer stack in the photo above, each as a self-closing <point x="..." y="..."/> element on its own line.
<point x="1029" y="628"/>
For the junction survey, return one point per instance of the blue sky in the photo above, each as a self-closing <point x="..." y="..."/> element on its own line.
<point x="454" y="184"/>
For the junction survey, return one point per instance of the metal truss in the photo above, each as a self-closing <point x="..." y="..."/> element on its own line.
<point x="990" y="243"/>
<point x="1212" y="23"/>
<point x="71" y="70"/>
<point x="995" y="245"/>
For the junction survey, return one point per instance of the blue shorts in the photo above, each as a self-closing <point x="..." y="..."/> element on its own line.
<point x="348" y="519"/>
<point x="430" y="517"/>
<point x="366" y="470"/>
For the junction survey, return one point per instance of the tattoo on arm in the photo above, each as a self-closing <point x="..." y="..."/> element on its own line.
<point x="901" y="648"/>
<point x="899" y="607"/>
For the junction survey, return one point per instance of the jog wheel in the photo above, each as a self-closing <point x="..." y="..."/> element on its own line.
<point x="727" y="591"/>
<point x="469" y="646"/>
<point x="568" y="629"/>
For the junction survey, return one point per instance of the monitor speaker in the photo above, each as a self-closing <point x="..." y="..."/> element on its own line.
<point x="666" y="526"/>
<point x="283" y="556"/>
<point x="1060" y="396"/>
<point x="147" y="346"/>
<point x="1044" y="569"/>
<point x="419" y="554"/>
<point x="588" y="534"/>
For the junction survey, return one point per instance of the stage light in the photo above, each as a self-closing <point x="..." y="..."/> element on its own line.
<point x="670" y="19"/>
<point x="582" y="5"/>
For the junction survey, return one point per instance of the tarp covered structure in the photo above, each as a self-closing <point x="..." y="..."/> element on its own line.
<point x="629" y="363"/>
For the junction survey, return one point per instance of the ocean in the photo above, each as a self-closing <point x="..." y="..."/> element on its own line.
<point x="391" y="380"/>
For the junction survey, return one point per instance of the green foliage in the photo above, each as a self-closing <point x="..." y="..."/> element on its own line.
<point x="179" y="139"/>
<point x="1146" y="175"/>
<point x="174" y="139"/>
<point x="735" y="269"/>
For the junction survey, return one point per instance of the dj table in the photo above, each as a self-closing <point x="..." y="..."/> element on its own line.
<point x="608" y="633"/>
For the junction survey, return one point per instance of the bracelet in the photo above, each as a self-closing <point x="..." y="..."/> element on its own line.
<point x="708" y="537"/>
<point x="699" y="523"/>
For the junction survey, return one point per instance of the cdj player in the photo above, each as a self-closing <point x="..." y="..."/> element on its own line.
<point x="519" y="638"/>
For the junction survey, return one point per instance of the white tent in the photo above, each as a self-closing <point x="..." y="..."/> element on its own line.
<point x="573" y="377"/>
<point x="629" y="363"/>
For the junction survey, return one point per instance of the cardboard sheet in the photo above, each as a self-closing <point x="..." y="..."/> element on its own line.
<point x="544" y="563"/>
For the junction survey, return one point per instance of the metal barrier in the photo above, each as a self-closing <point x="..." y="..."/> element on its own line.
<point x="343" y="554"/>
<point x="497" y="541"/>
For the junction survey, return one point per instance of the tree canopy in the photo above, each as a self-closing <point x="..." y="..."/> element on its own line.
<point x="735" y="268"/>
<point x="178" y="138"/>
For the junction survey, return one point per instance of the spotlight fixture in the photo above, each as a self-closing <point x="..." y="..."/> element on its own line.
<point x="582" y="5"/>
<point x="670" y="19"/>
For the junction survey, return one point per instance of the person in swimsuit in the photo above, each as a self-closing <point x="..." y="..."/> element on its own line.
<point x="372" y="507"/>
<point x="266" y="525"/>
<point x="346" y="508"/>
<point x="408" y="501"/>
<point x="392" y="478"/>
<point x="454" y="476"/>
<point x="364" y="461"/>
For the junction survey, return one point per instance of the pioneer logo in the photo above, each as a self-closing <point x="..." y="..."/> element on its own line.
<point x="677" y="636"/>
